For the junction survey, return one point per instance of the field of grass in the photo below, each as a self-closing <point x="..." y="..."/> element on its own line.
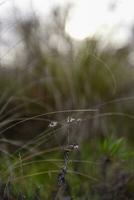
<point x="98" y="169"/>
<point x="66" y="118"/>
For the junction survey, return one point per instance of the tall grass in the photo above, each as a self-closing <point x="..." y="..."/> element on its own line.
<point x="56" y="94"/>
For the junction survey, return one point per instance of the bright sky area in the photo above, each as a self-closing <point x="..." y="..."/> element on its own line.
<point x="87" y="17"/>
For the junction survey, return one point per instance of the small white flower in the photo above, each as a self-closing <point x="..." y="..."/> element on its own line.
<point x="69" y="120"/>
<point x="74" y="146"/>
<point x="53" y="124"/>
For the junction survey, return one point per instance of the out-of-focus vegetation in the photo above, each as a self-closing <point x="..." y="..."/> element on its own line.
<point x="58" y="92"/>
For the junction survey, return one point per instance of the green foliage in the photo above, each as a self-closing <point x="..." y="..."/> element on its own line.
<point x="113" y="146"/>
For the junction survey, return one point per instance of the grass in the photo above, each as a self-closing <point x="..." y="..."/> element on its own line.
<point x="51" y="100"/>
<point x="86" y="169"/>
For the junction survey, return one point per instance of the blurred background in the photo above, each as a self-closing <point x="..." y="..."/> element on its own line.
<point x="66" y="55"/>
<point x="66" y="77"/>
